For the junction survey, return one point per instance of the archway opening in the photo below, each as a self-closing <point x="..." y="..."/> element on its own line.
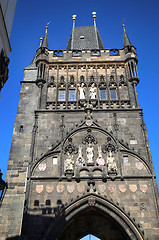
<point x="92" y="222"/>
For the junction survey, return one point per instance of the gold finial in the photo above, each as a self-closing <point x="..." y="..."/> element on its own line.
<point x="123" y="25"/>
<point x="94" y="15"/>
<point x="47" y="25"/>
<point x="74" y="17"/>
<point x="41" y="39"/>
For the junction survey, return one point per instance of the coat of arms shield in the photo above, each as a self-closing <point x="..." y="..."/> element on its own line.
<point x="42" y="167"/>
<point x="139" y="165"/>
<point x="70" y="188"/>
<point x="144" y="188"/>
<point x="101" y="188"/>
<point x="39" y="188"/>
<point x="60" y="188"/>
<point x="81" y="188"/>
<point x="112" y="188"/>
<point x="100" y="161"/>
<point x="122" y="188"/>
<point x="133" y="187"/>
<point x="49" y="188"/>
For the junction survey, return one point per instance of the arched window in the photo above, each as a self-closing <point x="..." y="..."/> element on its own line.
<point x="81" y="78"/>
<point x="113" y="95"/>
<point x="72" y="95"/>
<point x="92" y="78"/>
<point x="62" y="95"/>
<point x="62" y="79"/>
<point x="62" y="92"/>
<point x="101" y="78"/>
<point x="103" y="96"/>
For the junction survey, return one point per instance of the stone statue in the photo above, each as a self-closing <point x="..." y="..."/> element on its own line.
<point x="111" y="164"/>
<point x="93" y="91"/>
<point x="69" y="163"/>
<point x="80" y="160"/>
<point x="81" y="90"/>
<point x="90" y="154"/>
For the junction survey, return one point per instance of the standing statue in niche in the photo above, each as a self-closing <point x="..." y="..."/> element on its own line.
<point x="111" y="164"/>
<point x="69" y="163"/>
<point x="90" y="154"/>
<point x="93" y="91"/>
<point x="81" y="90"/>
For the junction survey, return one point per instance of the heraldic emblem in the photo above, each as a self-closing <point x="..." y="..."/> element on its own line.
<point x="42" y="167"/>
<point x="49" y="188"/>
<point x="133" y="187"/>
<point x="122" y="188"/>
<point x="112" y="188"/>
<point x="39" y="188"/>
<point x="101" y="188"/>
<point x="81" y="188"/>
<point x="144" y="188"/>
<point x="60" y="188"/>
<point x="139" y="165"/>
<point x="70" y="188"/>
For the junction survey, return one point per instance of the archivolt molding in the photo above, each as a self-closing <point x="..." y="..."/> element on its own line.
<point x="104" y="206"/>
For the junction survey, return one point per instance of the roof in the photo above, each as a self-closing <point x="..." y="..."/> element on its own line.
<point x="126" y="40"/>
<point x="85" y="38"/>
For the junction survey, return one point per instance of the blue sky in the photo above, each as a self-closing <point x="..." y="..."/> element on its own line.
<point x="142" y="24"/>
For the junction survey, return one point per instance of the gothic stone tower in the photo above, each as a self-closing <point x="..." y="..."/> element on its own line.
<point x="80" y="160"/>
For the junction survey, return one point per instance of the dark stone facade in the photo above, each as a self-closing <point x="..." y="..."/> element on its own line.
<point x="80" y="160"/>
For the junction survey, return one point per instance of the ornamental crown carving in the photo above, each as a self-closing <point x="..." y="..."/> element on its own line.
<point x="70" y="147"/>
<point x="89" y="138"/>
<point x="108" y="147"/>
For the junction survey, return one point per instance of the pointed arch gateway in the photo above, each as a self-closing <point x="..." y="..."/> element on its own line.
<point x="93" y="214"/>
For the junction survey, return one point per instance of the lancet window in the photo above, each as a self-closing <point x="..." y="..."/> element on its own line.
<point x="62" y="95"/>
<point x="103" y="96"/>
<point x="72" y="95"/>
<point x="113" y="94"/>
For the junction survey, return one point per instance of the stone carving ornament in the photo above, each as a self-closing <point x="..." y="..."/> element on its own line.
<point x="70" y="147"/>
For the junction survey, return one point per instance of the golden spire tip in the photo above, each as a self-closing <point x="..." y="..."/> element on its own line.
<point x="74" y="17"/>
<point x="123" y="25"/>
<point x="94" y="14"/>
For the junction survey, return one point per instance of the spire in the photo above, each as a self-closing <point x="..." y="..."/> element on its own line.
<point x="126" y="39"/>
<point x="94" y="17"/>
<point x="74" y="19"/>
<point x="45" y="41"/>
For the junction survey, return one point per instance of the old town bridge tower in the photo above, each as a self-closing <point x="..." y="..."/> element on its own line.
<point x="80" y="161"/>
